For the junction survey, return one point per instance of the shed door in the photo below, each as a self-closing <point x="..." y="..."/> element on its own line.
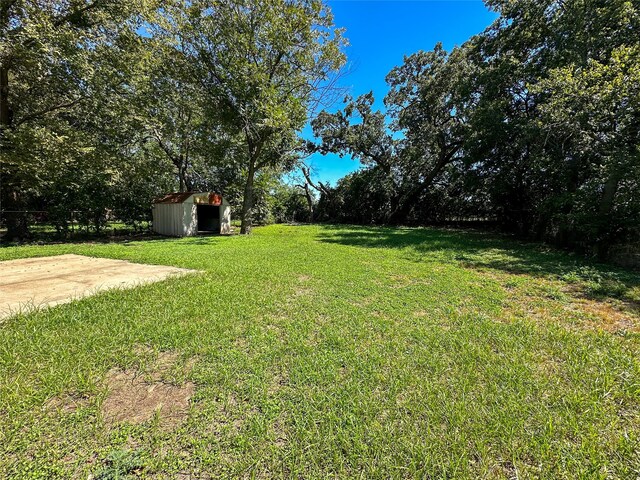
<point x="208" y="218"/>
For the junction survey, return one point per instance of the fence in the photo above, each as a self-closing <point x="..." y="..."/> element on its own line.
<point x="72" y="222"/>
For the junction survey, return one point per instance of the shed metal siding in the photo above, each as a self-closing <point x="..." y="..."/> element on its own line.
<point x="225" y="218"/>
<point x="168" y="219"/>
<point x="190" y="219"/>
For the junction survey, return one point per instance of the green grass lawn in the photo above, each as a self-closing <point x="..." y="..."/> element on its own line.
<point x="319" y="351"/>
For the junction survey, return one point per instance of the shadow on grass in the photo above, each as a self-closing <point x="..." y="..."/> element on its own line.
<point x="106" y="238"/>
<point x="46" y="237"/>
<point x="479" y="250"/>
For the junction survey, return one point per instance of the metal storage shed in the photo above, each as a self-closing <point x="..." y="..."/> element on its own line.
<point x="190" y="213"/>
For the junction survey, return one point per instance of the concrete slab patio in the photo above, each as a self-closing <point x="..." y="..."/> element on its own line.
<point x="31" y="283"/>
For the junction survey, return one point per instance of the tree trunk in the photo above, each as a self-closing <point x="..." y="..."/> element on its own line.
<point x="405" y="203"/>
<point x="320" y="188"/>
<point x="181" y="167"/>
<point x="16" y="222"/>
<point x="307" y="194"/>
<point x="604" y="212"/>
<point x="566" y="233"/>
<point x="11" y="199"/>
<point x="5" y="116"/>
<point x="183" y="180"/>
<point x="247" y="202"/>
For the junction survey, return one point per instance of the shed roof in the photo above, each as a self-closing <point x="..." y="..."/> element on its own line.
<point x="211" y="198"/>
<point x="178" y="197"/>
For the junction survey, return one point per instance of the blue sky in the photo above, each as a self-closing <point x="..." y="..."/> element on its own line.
<point x="380" y="34"/>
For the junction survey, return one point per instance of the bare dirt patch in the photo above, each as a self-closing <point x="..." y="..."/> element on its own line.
<point x="280" y="435"/>
<point x="606" y="316"/>
<point x="303" y="289"/>
<point x="67" y="403"/>
<point x="546" y="300"/>
<point x="133" y="400"/>
<point x="302" y="292"/>
<point x="137" y="397"/>
<point x="31" y="283"/>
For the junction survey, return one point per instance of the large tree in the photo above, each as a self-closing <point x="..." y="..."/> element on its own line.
<point x="262" y="64"/>
<point x="596" y="110"/>
<point x="364" y="134"/>
<point x="422" y="131"/>
<point x="61" y="65"/>
<point x="430" y="99"/>
<point x="533" y="122"/>
<point x="533" y="118"/>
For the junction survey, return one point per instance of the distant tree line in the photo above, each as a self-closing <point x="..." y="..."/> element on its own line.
<point x="534" y="123"/>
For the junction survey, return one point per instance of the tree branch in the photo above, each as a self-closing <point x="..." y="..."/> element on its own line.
<point x="44" y="111"/>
